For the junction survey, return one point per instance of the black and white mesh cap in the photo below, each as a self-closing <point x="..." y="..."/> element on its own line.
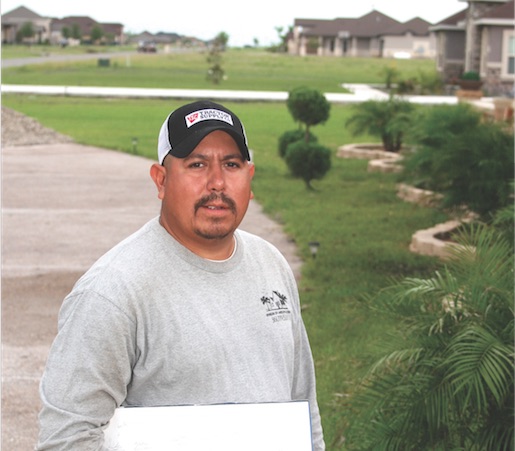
<point x="185" y="127"/>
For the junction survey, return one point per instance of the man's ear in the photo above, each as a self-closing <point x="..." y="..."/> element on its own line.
<point x="158" y="174"/>
<point x="252" y="171"/>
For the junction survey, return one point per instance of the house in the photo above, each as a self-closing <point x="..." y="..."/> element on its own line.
<point x="113" y="33"/>
<point x="14" y="21"/>
<point x="167" y="40"/>
<point x="84" y="26"/>
<point x="374" y="34"/>
<point x="481" y="39"/>
<point x="411" y="39"/>
<point x="50" y="30"/>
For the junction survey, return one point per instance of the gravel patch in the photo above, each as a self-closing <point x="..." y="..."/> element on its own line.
<point x="21" y="130"/>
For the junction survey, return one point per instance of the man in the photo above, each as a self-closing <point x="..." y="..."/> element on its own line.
<point x="188" y="310"/>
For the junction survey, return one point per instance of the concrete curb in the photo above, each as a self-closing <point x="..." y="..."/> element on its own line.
<point x="359" y="93"/>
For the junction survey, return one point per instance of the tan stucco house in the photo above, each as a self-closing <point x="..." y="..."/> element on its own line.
<point x="374" y="34"/>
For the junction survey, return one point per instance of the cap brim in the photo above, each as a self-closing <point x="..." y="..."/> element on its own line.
<point x="188" y="145"/>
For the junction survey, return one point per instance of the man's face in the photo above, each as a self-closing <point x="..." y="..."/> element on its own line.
<point x="205" y="195"/>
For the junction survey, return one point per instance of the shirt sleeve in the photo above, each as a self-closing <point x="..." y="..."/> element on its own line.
<point x="87" y="373"/>
<point x="304" y="383"/>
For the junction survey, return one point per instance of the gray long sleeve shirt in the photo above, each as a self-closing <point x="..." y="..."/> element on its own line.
<point x="153" y="324"/>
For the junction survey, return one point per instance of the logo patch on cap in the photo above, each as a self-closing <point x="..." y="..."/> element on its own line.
<point x="207" y="115"/>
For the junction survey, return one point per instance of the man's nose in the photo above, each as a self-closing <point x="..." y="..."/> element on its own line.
<point x="216" y="179"/>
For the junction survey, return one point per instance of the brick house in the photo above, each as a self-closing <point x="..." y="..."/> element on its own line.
<point x="481" y="39"/>
<point x="372" y="35"/>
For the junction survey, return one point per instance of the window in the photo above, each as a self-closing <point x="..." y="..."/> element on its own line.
<point x="508" y="58"/>
<point x="511" y="55"/>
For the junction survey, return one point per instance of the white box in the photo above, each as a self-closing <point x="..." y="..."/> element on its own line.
<point x="228" y="427"/>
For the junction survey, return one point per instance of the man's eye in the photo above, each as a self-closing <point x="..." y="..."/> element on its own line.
<point x="196" y="165"/>
<point x="233" y="164"/>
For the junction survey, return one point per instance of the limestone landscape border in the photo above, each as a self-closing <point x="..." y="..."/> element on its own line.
<point x="423" y="242"/>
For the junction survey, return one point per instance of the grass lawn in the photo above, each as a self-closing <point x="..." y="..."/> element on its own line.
<point x="363" y="228"/>
<point x="245" y="70"/>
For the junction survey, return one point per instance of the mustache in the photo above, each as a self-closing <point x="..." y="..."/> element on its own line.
<point x="227" y="201"/>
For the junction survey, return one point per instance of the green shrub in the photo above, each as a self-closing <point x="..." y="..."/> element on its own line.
<point x="471" y="75"/>
<point x="292" y="136"/>
<point x="405" y="87"/>
<point x="429" y="83"/>
<point x="426" y="82"/>
<point x="468" y="161"/>
<point x="391" y="74"/>
<point x="308" y="161"/>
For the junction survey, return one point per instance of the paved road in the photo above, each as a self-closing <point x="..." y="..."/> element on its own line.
<point x="17" y="62"/>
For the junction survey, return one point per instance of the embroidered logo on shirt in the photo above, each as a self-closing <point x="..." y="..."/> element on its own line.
<point x="277" y="308"/>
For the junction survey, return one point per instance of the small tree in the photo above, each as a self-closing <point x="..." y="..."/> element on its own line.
<point x="221" y="41"/>
<point x="391" y="75"/>
<point x="76" y="33"/>
<point x="216" y="73"/>
<point x="282" y="46"/>
<point x="96" y="34"/>
<point x="26" y="32"/>
<point x="308" y="161"/>
<point x="66" y="33"/>
<point x="387" y="119"/>
<point x="309" y="107"/>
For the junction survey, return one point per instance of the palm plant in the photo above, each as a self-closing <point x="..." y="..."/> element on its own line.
<point x="447" y="382"/>
<point x="387" y="119"/>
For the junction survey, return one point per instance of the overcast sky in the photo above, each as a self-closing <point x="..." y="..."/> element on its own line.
<point x="242" y="20"/>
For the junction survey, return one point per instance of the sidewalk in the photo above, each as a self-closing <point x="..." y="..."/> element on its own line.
<point x="358" y="93"/>
<point x="64" y="205"/>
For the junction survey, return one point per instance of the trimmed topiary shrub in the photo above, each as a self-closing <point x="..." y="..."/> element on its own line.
<point x="308" y="161"/>
<point x="292" y="136"/>
<point x="308" y="106"/>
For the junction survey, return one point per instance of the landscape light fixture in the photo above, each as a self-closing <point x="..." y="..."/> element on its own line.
<point x="313" y="247"/>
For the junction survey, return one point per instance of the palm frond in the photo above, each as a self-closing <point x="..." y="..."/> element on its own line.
<point x="396" y="359"/>
<point x="481" y="367"/>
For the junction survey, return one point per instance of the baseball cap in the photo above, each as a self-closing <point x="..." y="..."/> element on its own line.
<point x="185" y="127"/>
